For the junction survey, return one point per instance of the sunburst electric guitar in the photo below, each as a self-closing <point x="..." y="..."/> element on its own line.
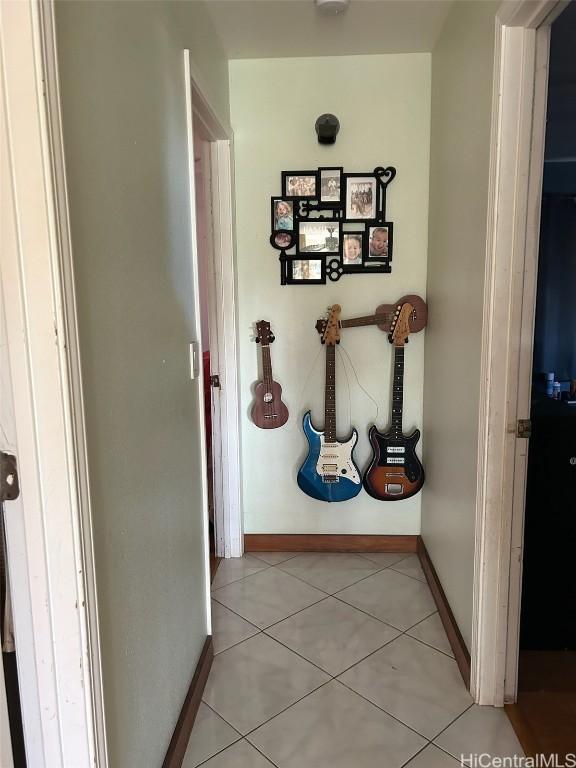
<point x="395" y="471"/>
<point x="329" y="472"/>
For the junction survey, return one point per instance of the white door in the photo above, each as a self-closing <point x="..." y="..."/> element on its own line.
<point x="6" y="419"/>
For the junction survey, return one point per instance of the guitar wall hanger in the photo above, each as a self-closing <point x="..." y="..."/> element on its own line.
<point x="385" y="313"/>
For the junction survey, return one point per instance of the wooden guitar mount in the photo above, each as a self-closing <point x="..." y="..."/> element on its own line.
<point x="385" y="313"/>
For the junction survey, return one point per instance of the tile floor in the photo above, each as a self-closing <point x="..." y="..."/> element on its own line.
<point x="335" y="661"/>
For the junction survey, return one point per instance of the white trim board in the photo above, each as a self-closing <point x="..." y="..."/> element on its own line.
<point x="516" y="171"/>
<point x="228" y="501"/>
<point x="53" y="644"/>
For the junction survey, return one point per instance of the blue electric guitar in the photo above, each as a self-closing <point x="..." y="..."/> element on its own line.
<point x="329" y="472"/>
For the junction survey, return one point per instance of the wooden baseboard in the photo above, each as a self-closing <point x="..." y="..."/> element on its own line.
<point x="183" y="729"/>
<point x="455" y="638"/>
<point x="327" y="542"/>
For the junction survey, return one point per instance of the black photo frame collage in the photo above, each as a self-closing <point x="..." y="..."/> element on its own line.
<point x="327" y="223"/>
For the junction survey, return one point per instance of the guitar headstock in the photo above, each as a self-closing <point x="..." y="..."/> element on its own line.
<point x="400" y="326"/>
<point x="263" y="333"/>
<point x="330" y="327"/>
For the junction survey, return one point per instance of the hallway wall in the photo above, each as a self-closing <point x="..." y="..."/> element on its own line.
<point x="462" y="65"/>
<point x="122" y="83"/>
<point x="383" y="104"/>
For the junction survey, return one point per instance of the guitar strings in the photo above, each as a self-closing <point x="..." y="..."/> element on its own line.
<point x="342" y="349"/>
<point x="296" y="424"/>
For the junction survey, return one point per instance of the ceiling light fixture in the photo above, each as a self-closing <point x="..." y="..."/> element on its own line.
<point x="332" y="7"/>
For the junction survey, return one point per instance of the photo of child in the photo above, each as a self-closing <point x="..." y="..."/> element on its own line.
<point x="352" y="250"/>
<point x="284" y="214"/>
<point x="283" y="240"/>
<point x="378" y="243"/>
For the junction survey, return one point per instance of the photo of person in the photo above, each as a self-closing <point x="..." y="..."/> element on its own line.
<point x="283" y="240"/>
<point x="330" y="186"/>
<point x="321" y="236"/>
<point x="283" y="214"/>
<point x="361" y="198"/>
<point x="352" y="250"/>
<point x="300" y="186"/>
<point x="378" y="244"/>
<point x="306" y="269"/>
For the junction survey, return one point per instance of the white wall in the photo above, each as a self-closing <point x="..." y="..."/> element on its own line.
<point x="383" y="103"/>
<point x="126" y="151"/>
<point x="462" y="64"/>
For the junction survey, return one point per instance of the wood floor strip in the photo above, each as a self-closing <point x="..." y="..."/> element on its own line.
<point x="323" y="542"/>
<point x="181" y="736"/>
<point x="451" y="628"/>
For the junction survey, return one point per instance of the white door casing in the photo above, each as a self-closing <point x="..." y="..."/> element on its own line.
<point x="47" y="558"/>
<point x="516" y="171"/>
<point x="222" y="317"/>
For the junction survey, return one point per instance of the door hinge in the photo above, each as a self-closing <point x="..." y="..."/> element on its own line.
<point x="215" y="381"/>
<point x="9" y="485"/>
<point x="524" y="428"/>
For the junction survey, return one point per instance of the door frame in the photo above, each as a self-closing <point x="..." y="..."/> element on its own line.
<point x="54" y="595"/>
<point x="516" y="172"/>
<point x="228" y="517"/>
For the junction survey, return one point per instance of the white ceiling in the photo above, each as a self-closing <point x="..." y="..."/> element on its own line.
<point x="250" y="29"/>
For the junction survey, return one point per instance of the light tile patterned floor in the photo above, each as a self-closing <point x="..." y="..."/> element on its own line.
<point x="332" y="661"/>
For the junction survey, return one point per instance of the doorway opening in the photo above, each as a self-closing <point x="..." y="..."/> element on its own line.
<point x="211" y="199"/>
<point x="547" y="655"/>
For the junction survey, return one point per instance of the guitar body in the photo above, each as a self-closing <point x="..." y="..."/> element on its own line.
<point x="329" y="472"/>
<point x="395" y="471"/>
<point x="269" y="412"/>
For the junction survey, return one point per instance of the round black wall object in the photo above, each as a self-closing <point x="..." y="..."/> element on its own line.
<point x="327" y="127"/>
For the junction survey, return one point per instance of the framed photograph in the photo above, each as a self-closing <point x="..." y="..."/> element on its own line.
<point x="362" y="198"/>
<point x="380" y="242"/>
<point x="353" y="249"/>
<point x="309" y="271"/>
<point x="282" y="214"/>
<point x="282" y="240"/>
<point x="330" y="185"/>
<point x="300" y="184"/>
<point x="319" y="237"/>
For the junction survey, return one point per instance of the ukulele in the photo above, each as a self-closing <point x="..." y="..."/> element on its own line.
<point x="395" y="471"/>
<point x="268" y="412"/>
<point x="385" y="313"/>
<point x="329" y="472"/>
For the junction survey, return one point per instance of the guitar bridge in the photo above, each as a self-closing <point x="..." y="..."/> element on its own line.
<point x="330" y="478"/>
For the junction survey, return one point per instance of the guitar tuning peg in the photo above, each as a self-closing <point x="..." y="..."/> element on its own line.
<point x="257" y="339"/>
<point x="272" y="338"/>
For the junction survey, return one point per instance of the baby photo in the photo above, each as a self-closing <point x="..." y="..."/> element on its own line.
<point x="378" y="243"/>
<point x="283" y="214"/>
<point x="352" y="250"/>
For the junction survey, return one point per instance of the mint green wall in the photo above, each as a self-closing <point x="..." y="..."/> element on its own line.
<point x="383" y="103"/>
<point x="121" y="68"/>
<point x="462" y="65"/>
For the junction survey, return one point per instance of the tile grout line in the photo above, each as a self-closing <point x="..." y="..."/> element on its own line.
<point x="335" y="677"/>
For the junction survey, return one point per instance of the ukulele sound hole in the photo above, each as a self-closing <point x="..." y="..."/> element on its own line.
<point x="268" y="397"/>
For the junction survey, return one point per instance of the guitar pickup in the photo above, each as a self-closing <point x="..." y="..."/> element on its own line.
<point x="393" y="460"/>
<point x="395" y="449"/>
<point x="330" y="469"/>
